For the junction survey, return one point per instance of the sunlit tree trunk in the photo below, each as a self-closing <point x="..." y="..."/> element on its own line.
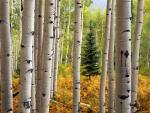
<point x="77" y="57"/>
<point x="123" y="56"/>
<point x="53" y="50"/>
<point x="39" y="62"/>
<point x="135" y="55"/>
<point x="26" y="68"/>
<point x="34" y="56"/>
<point x="56" y="58"/>
<point x="21" y="10"/>
<point x="6" y="58"/>
<point x="47" y="55"/>
<point x="105" y="57"/>
<point x="111" y="60"/>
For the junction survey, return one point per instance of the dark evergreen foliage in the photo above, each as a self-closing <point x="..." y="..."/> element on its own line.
<point x="90" y="55"/>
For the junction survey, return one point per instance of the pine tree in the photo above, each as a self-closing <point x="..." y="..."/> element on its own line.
<point x="90" y="56"/>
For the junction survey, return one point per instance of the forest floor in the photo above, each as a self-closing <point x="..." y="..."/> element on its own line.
<point x="89" y="94"/>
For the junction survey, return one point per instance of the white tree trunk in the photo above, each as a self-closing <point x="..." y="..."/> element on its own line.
<point x="77" y="57"/>
<point x="123" y="57"/>
<point x="20" y="25"/>
<point x="39" y="62"/>
<point x="47" y="56"/>
<point x="26" y="68"/>
<point x="135" y="55"/>
<point x="56" y="58"/>
<point x="6" y="58"/>
<point x="33" y="86"/>
<point x="111" y="61"/>
<point x="105" y="57"/>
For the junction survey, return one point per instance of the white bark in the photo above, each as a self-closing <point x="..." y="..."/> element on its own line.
<point x="6" y="58"/>
<point x="135" y="55"/>
<point x="39" y="62"/>
<point x="26" y="68"/>
<point x="105" y="57"/>
<point x="33" y="86"/>
<point x="21" y="10"/>
<point x="77" y="57"/>
<point x="111" y="61"/>
<point x="56" y="49"/>
<point x="47" y="56"/>
<point x="123" y="57"/>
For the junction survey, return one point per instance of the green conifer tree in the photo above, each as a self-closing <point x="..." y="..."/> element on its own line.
<point x="90" y="56"/>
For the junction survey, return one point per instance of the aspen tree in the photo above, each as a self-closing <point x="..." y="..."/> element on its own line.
<point x="77" y="57"/>
<point x="6" y="58"/>
<point x="26" y="68"/>
<point x="111" y="60"/>
<point x="56" y="48"/>
<point x="68" y="32"/>
<point x="33" y="86"/>
<point x="135" y="55"/>
<point x="47" y="55"/>
<point x="123" y="56"/>
<point x="105" y="57"/>
<point x="53" y="49"/>
<point x="21" y="10"/>
<point x="34" y="56"/>
<point x="40" y="42"/>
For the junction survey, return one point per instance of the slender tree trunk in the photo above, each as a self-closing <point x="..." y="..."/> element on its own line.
<point x="111" y="60"/>
<point x="6" y="58"/>
<point x="105" y="57"/>
<point x="39" y="62"/>
<point x="21" y="10"/>
<point x="47" y="55"/>
<point x="33" y="87"/>
<point x="77" y="57"/>
<point x="68" y="34"/>
<point x="135" y="55"/>
<point x="26" y="68"/>
<point x="123" y="57"/>
<point x="62" y="46"/>
<point x="34" y="56"/>
<point x="56" y="49"/>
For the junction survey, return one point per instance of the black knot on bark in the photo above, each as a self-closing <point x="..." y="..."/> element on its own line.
<point x="123" y="97"/>
<point x="27" y="105"/>
<point x="127" y="75"/>
<point x="126" y="54"/>
<point x="32" y="32"/>
<point x="128" y="90"/>
<point x="51" y="22"/>
<point x="9" y="110"/>
<point x="51" y="3"/>
<point x="39" y="16"/>
<point x="43" y="94"/>
<point x="8" y="54"/>
<point x="126" y="31"/>
<point x="22" y="46"/>
<point x="29" y="61"/>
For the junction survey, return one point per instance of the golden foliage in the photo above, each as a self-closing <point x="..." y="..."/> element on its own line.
<point x="89" y="94"/>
